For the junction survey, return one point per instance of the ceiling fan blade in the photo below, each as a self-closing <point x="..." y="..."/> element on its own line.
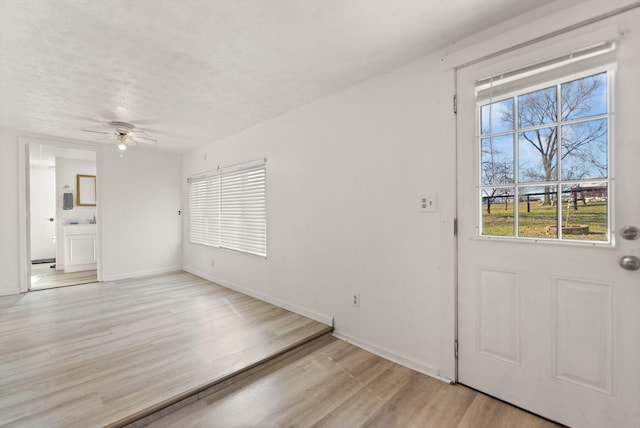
<point x="144" y="140"/>
<point x="97" y="132"/>
<point x="109" y="137"/>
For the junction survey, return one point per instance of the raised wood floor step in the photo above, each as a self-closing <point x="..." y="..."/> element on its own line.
<point x="108" y="354"/>
<point x="165" y="407"/>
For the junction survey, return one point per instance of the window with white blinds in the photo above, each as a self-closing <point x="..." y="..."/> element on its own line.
<point x="227" y="208"/>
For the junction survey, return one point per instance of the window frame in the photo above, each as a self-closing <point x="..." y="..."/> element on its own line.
<point x="610" y="70"/>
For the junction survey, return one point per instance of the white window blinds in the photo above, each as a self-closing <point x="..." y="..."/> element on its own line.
<point x="227" y="208"/>
<point x="546" y="71"/>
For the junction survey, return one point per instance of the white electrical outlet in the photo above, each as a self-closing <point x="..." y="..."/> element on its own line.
<point x="427" y="204"/>
<point x="355" y="299"/>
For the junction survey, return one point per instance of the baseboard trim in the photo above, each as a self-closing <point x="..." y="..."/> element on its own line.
<point x="142" y="273"/>
<point x="9" y="291"/>
<point x="391" y="356"/>
<point x="321" y="318"/>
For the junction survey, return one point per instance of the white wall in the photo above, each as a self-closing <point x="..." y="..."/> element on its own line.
<point x="9" y="236"/>
<point x="66" y="171"/>
<point x="345" y="176"/>
<point x="140" y="196"/>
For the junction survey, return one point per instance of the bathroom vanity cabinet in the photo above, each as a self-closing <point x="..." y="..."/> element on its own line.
<point x="80" y="247"/>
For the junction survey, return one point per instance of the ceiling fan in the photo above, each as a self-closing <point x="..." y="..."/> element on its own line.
<point x="124" y="134"/>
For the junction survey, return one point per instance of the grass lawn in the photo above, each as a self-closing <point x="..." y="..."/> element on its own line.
<point x="534" y="223"/>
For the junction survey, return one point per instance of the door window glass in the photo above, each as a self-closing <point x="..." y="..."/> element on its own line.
<point x="544" y="162"/>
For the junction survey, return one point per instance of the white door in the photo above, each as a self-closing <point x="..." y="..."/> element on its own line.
<point x="548" y="320"/>
<point x="42" y="191"/>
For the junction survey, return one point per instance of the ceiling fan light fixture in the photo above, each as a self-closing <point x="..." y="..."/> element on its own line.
<point x="121" y="143"/>
<point x="124" y="134"/>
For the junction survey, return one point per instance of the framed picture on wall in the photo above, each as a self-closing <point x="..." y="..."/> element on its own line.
<point x="86" y="190"/>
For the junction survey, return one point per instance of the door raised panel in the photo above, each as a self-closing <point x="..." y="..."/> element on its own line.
<point x="499" y="315"/>
<point x="583" y="333"/>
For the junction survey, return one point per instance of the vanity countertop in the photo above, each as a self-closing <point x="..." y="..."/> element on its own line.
<point x="80" y="229"/>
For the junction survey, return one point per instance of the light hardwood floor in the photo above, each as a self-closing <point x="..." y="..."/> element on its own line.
<point x="43" y="276"/>
<point x="108" y="353"/>
<point x="112" y="353"/>
<point x="330" y="383"/>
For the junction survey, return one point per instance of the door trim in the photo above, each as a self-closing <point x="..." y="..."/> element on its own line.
<point x="580" y="18"/>
<point x="24" y="228"/>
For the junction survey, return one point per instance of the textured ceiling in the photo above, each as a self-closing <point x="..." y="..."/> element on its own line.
<point x="42" y="155"/>
<point x="191" y="72"/>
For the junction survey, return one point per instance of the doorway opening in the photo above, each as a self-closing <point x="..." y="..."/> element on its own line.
<point x="62" y="216"/>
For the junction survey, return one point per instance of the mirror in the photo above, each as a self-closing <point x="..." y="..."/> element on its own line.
<point x="86" y="190"/>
